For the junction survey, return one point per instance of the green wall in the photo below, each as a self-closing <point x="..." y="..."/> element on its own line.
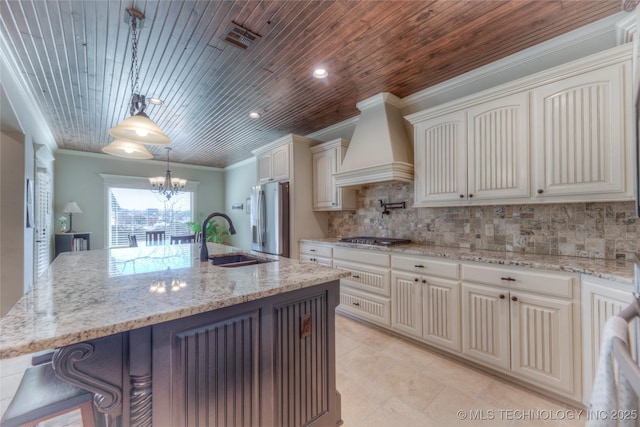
<point x="77" y="179"/>
<point x="238" y="181"/>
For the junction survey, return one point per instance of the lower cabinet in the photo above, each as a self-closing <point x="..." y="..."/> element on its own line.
<point x="316" y="254"/>
<point x="532" y="336"/>
<point x="602" y="299"/>
<point x="268" y="362"/>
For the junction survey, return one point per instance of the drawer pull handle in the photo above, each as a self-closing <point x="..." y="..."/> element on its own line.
<point x="312" y="250"/>
<point x="353" y="276"/>
<point x="508" y="279"/>
<point x="357" y="304"/>
<point x="313" y="259"/>
<point x="514" y="299"/>
<point x="502" y="296"/>
<point x="419" y="266"/>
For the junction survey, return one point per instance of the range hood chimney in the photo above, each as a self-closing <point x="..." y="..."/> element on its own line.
<point x="380" y="149"/>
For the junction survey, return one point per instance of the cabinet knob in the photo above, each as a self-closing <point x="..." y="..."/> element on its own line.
<point x="502" y="296"/>
<point x="470" y="195"/>
<point x="415" y="280"/>
<point x="462" y="196"/>
<point x="313" y="259"/>
<point x="508" y="279"/>
<point x="540" y="191"/>
<point x="333" y="204"/>
<point x="424" y="281"/>
<point x="514" y="299"/>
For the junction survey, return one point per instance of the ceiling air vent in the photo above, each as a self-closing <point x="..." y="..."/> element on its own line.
<point x="240" y="36"/>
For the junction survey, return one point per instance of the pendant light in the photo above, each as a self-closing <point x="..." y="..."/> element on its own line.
<point x="138" y="128"/>
<point x="130" y="150"/>
<point x="167" y="185"/>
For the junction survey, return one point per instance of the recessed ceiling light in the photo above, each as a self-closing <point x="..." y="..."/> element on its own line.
<point x="320" y="73"/>
<point x="254" y="115"/>
<point x="156" y="101"/>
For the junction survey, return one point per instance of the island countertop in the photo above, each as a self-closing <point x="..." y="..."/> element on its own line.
<point x="92" y="294"/>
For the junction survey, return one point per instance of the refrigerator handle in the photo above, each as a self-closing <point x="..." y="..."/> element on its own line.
<point x="261" y="217"/>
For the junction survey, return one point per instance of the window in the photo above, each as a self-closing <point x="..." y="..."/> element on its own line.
<point x="131" y="208"/>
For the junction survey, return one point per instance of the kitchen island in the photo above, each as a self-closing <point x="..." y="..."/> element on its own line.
<point x="161" y="338"/>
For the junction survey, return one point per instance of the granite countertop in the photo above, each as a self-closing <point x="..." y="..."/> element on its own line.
<point x="92" y="294"/>
<point x="622" y="272"/>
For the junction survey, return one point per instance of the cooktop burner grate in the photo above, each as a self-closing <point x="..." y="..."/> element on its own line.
<point x="380" y="241"/>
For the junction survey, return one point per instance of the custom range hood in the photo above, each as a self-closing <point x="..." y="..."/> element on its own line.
<point x="380" y="149"/>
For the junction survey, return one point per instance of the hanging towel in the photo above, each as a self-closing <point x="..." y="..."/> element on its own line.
<point x="607" y="395"/>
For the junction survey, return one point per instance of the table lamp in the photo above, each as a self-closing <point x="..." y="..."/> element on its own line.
<point x="71" y="208"/>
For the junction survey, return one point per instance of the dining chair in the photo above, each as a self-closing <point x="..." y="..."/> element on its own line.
<point x="155" y="238"/>
<point x="188" y="238"/>
<point x="133" y="241"/>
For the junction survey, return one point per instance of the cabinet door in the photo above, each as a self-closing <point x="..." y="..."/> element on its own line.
<point x="542" y="340"/>
<point x="406" y="304"/>
<point x="498" y="149"/>
<point x="600" y="301"/>
<point x="441" y="159"/>
<point x="280" y="163"/>
<point x="264" y="167"/>
<point x="441" y="312"/>
<point x="324" y="189"/>
<point x="485" y="324"/>
<point x="579" y="136"/>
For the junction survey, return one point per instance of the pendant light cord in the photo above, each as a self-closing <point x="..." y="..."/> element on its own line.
<point x="134" y="74"/>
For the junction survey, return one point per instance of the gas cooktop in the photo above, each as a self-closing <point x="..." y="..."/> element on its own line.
<point x="380" y="241"/>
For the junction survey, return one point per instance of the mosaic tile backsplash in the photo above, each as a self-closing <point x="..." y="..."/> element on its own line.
<point x="593" y="230"/>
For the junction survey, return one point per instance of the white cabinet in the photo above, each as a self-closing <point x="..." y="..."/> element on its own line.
<point x="474" y="154"/>
<point x="581" y="136"/>
<point x="316" y="254"/>
<point x="564" y="134"/>
<point x="327" y="160"/>
<point x="425" y="299"/>
<point x="273" y="165"/>
<point x="366" y="292"/>
<point x="533" y="334"/>
<point x="601" y="299"/>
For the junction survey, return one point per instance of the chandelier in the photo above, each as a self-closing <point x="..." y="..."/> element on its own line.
<point x="138" y="128"/>
<point x="167" y="185"/>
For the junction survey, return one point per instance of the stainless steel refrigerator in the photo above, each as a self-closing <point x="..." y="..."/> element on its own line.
<point x="270" y="218"/>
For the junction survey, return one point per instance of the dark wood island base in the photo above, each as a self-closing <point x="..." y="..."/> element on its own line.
<point x="267" y="362"/>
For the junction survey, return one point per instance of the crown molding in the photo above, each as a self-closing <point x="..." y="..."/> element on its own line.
<point x="124" y="159"/>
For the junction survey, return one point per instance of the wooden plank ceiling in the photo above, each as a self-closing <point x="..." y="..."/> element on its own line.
<point x="76" y="56"/>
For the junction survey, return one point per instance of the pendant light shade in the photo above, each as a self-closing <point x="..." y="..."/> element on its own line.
<point x="128" y="149"/>
<point x="141" y="129"/>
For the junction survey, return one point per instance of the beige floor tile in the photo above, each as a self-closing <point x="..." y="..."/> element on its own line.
<point x="457" y="375"/>
<point x="453" y="407"/>
<point x="406" y="383"/>
<point x="411" y="354"/>
<point x="397" y="413"/>
<point x="355" y="385"/>
<point x="367" y="362"/>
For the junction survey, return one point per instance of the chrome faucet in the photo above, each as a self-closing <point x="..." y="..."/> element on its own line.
<point x="204" y="252"/>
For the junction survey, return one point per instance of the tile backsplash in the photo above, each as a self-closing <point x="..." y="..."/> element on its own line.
<point x="595" y="230"/>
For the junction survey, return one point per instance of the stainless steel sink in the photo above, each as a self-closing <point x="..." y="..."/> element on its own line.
<point x="237" y="260"/>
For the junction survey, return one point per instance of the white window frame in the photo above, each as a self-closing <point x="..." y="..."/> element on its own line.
<point x="137" y="183"/>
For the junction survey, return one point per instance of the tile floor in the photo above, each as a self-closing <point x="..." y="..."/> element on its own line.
<point x="386" y="381"/>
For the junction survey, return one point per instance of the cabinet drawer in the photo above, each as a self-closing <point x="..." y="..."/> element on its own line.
<point x="365" y="306"/>
<point x="545" y="283"/>
<point x="366" y="257"/>
<point x="313" y="259"/>
<point x="319" y="250"/>
<point x="365" y="277"/>
<point x="423" y="265"/>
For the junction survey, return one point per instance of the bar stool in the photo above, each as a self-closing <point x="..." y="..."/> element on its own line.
<point x="41" y="396"/>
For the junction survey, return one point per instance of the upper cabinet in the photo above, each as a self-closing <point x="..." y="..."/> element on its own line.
<point x="561" y="135"/>
<point x="478" y="153"/>
<point x="579" y="137"/>
<point x="327" y="159"/>
<point x="273" y="165"/>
